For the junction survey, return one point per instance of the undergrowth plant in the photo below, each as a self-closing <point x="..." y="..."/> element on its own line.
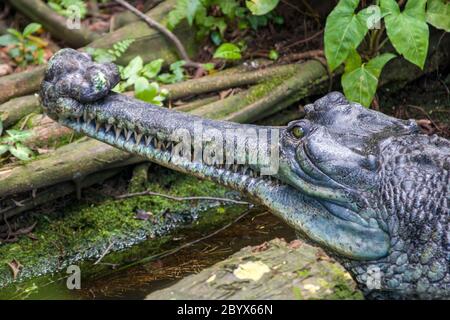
<point x="24" y="47"/>
<point x="214" y="17"/>
<point x="144" y="79"/>
<point x="12" y="144"/>
<point x="67" y="8"/>
<point x="358" y="39"/>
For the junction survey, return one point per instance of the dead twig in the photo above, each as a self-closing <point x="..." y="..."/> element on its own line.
<point x="307" y="39"/>
<point x="151" y="193"/>
<point x="170" y="252"/>
<point x="312" y="54"/>
<point x="108" y="248"/>
<point x="166" y="32"/>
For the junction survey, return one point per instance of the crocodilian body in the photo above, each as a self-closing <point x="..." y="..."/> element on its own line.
<point x="368" y="188"/>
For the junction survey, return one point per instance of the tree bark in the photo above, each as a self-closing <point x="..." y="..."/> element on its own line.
<point x="17" y="108"/>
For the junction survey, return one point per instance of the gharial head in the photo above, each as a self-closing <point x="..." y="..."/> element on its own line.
<point x="366" y="187"/>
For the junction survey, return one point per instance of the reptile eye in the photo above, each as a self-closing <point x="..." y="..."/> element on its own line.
<point x="297" y="132"/>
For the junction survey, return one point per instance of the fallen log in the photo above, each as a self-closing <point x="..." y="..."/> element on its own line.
<point x="17" y="108"/>
<point x="274" y="270"/>
<point x="68" y="163"/>
<point x="20" y="84"/>
<point x="57" y="25"/>
<point x="56" y="192"/>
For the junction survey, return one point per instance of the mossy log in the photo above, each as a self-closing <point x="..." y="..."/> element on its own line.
<point x="56" y="192"/>
<point x="45" y="132"/>
<point x="20" y="84"/>
<point x="17" y="108"/>
<point x="274" y="270"/>
<point x="38" y="11"/>
<point x="72" y="162"/>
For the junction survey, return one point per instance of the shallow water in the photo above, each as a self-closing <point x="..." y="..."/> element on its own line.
<point x="134" y="280"/>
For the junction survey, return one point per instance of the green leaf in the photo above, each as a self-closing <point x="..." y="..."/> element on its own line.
<point x="438" y="14"/>
<point x="273" y="55"/>
<point x="261" y="7"/>
<point x="31" y="28"/>
<point x="17" y="136"/>
<point x="152" y="69"/>
<point x="353" y="61"/>
<point x="407" y="30"/>
<point x="131" y="71"/>
<point x="148" y="92"/>
<point x="7" y="40"/>
<point x="360" y="84"/>
<point x="3" y="149"/>
<point x="228" y="7"/>
<point x="216" y="38"/>
<point x="20" y="152"/>
<point x="15" y="33"/>
<point x="208" y="66"/>
<point x="228" y="51"/>
<point x="344" y="31"/>
<point x="183" y="9"/>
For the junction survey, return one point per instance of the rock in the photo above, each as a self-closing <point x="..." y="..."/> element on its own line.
<point x="280" y="271"/>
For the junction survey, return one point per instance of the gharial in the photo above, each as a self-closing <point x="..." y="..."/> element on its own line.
<point x="368" y="188"/>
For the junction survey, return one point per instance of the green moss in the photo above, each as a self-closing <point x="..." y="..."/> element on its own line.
<point x="84" y="231"/>
<point x="342" y="288"/>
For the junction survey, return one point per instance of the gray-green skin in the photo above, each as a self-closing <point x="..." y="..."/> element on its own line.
<point x="368" y="188"/>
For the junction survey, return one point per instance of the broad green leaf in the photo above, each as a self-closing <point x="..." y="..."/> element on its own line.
<point x="360" y="84"/>
<point x="3" y="149"/>
<point x="228" y="7"/>
<point x="152" y="69"/>
<point x="438" y="14"/>
<point x="145" y="91"/>
<point x="20" y="152"/>
<point x="133" y="68"/>
<point x="15" y="33"/>
<point x="344" y="31"/>
<point x="17" y="135"/>
<point x="228" y="51"/>
<point x="261" y="7"/>
<point x="183" y="9"/>
<point x="407" y="30"/>
<point x="7" y="40"/>
<point x="31" y="28"/>
<point x="353" y="61"/>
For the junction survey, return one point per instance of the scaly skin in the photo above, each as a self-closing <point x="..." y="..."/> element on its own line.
<point x="366" y="187"/>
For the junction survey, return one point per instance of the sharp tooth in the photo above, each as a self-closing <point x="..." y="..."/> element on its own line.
<point x="108" y="127"/>
<point x="85" y="116"/>
<point x="159" y="145"/>
<point x="137" y="137"/>
<point x="117" y="131"/>
<point x="129" y="133"/>
<point x="235" y="167"/>
<point x="228" y="166"/>
<point x="148" y="140"/>
<point x="245" y="169"/>
<point x="97" y="126"/>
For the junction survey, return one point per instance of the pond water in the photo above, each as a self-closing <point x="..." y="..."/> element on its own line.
<point x="136" y="279"/>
